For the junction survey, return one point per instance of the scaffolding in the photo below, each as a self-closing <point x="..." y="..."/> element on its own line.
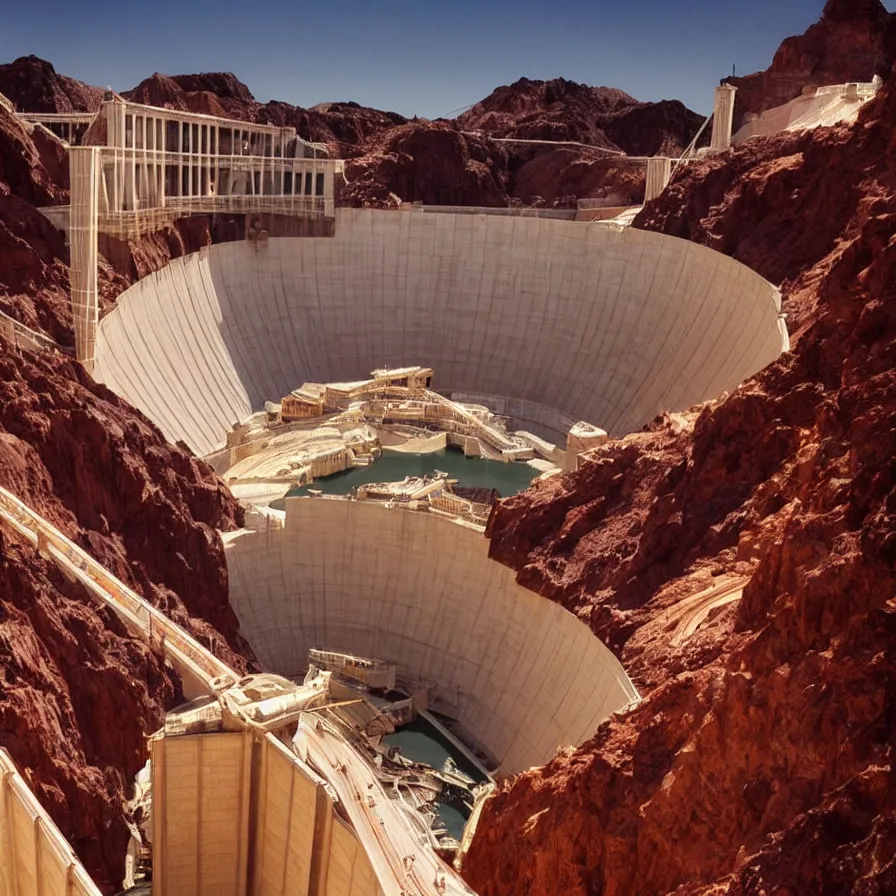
<point x="72" y="127"/>
<point x="158" y="165"/>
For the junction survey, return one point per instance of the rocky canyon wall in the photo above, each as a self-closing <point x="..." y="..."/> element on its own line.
<point x="78" y="695"/>
<point x="762" y="757"/>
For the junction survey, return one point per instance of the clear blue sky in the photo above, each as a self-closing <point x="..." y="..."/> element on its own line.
<point x="424" y="57"/>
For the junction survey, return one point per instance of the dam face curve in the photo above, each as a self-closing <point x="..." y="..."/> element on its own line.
<point x="550" y="322"/>
<point x="519" y="673"/>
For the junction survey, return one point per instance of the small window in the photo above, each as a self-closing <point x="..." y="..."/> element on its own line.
<point x="308" y="183"/>
<point x="287" y="183"/>
<point x="319" y="184"/>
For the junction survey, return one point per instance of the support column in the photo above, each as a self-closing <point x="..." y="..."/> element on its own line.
<point x="84" y="171"/>
<point x="723" y="117"/>
<point x="659" y="173"/>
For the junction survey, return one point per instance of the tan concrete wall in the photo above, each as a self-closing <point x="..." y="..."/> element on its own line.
<point x="293" y="806"/>
<point x="201" y="814"/>
<point x="350" y="871"/>
<point x="522" y="674"/>
<point x="561" y="321"/>
<point x="35" y="859"/>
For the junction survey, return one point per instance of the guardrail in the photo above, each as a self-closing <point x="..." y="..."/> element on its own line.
<point x="196" y="664"/>
<point x="864" y="89"/>
<point x="19" y="335"/>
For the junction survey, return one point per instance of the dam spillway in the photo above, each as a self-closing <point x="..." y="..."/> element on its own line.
<point x="519" y="673"/>
<point x="546" y="322"/>
<point x="549" y="322"/>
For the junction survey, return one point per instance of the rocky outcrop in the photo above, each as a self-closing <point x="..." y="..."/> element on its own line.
<point x="568" y="172"/>
<point x="33" y="85"/>
<point x="562" y="110"/>
<point x="849" y="43"/>
<point x="598" y="116"/>
<point x="33" y="165"/>
<point x="146" y="509"/>
<point x="429" y="162"/>
<point x="763" y="756"/>
<point x="33" y="272"/>
<point x="77" y="694"/>
<point x="160" y="90"/>
<point x="547" y="110"/>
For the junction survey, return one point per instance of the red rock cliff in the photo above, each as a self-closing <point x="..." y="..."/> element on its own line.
<point x="763" y="757"/>
<point x="848" y="43"/>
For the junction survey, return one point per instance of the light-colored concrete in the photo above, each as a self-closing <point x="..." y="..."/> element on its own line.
<point x="522" y="675"/>
<point x="723" y="117"/>
<point x="559" y="320"/>
<point x="35" y="859"/>
<point x="392" y="846"/>
<point x="201" y="814"/>
<point x="827" y="106"/>
<point x="84" y="167"/>
<point x="223" y="801"/>
<point x="659" y="172"/>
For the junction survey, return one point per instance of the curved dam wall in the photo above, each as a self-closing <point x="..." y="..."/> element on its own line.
<point x="522" y="675"/>
<point x="555" y="321"/>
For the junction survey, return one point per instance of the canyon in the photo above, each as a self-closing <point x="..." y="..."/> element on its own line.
<point x="761" y="758"/>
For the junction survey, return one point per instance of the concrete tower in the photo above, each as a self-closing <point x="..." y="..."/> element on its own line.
<point x="723" y="117"/>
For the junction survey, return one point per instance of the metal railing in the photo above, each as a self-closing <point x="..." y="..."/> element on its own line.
<point x="184" y="652"/>
<point x="19" y="335"/>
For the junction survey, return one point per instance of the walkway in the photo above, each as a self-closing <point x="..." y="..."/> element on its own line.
<point x="402" y="866"/>
<point x="196" y="665"/>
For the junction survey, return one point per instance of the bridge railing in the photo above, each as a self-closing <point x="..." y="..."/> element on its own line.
<point x="19" y="335"/>
<point x="190" y="657"/>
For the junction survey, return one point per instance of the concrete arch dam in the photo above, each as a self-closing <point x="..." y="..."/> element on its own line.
<point x="551" y="321"/>
<point x="519" y="673"/>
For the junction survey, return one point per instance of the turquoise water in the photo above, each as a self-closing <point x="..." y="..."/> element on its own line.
<point x="473" y="472"/>
<point x="421" y="742"/>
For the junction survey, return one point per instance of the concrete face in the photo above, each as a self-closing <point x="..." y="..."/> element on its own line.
<point x="825" y="107"/>
<point x="35" y="859"/>
<point x="201" y="814"/>
<point x="564" y="321"/>
<point x="84" y="170"/>
<point x="659" y="173"/>
<point x="521" y="674"/>
<point x="723" y="117"/>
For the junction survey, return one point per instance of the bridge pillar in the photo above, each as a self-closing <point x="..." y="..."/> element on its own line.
<point x="659" y="173"/>
<point x="723" y="117"/>
<point x="84" y="170"/>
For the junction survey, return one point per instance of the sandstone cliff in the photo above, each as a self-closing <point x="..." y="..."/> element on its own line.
<point x="562" y="110"/>
<point x="77" y="694"/>
<point x="763" y="757"/>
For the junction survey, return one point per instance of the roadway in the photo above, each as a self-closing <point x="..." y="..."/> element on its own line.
<point x="404" y="864"/>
